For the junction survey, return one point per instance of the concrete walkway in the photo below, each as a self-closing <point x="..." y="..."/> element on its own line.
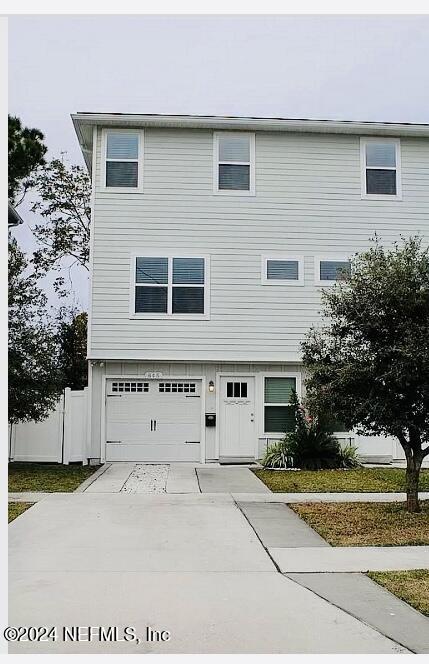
<point x="187" y="563"/>
<point x="367" y="601"/>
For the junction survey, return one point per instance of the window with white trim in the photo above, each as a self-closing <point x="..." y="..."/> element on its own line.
<point x="170" y="286"/>
<point x="329" y="270"/>
<point x="279" y="416"/>
<point x="122" y="159"/>
<point x="234" y="162"/>
<point x="283" y="270"/>
<point x="380" y="168"/>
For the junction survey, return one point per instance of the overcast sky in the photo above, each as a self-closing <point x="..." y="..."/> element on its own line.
<point x="338" y="67"/>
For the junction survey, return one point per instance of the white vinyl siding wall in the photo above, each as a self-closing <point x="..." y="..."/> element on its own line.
<point x="308" y="203"/>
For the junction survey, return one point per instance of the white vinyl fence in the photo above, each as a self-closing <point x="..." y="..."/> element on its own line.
<point x="60" y="438"/>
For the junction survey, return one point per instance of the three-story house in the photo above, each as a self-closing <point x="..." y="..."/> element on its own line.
<point x="211" y="239"/>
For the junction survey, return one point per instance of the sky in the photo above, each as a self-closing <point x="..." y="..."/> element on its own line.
<point x="372" y="68"/>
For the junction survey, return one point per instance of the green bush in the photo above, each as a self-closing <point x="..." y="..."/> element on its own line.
<point x="349" y="457"/>
<point x="278" y="456"/>
<point x="311" y="446"/>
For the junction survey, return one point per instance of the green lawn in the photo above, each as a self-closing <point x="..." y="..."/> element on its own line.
<point x="412" y="586"/>
<point x="49" y="477"/>
<point x="338" y="481"/>
<point x="366" y="524"/>
<point x="15" y="509"/>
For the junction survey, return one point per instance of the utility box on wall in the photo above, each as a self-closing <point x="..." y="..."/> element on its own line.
<point x="210" y="419"/>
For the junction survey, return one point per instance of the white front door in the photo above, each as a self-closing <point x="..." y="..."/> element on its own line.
<point x="237" y="417"/>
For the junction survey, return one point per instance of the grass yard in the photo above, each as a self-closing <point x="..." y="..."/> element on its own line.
<point x="366" y="524"/>
<point x="360" y="480"/>
<point x="412" y="586"/>
<point x="15" y="509"/>
<point x="49" y="477"/>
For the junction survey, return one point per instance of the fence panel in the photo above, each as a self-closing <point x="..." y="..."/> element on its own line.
<point x="60" y="438"/>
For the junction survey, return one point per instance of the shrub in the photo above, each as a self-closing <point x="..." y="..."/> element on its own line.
<point x="348" y="457"/>
<point x="311" y="446"/>
<point x="277" y="456"/>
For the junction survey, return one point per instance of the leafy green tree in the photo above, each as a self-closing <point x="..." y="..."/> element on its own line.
<point x="26" y="154"/>
<point x="64" y="194"/>
<point x="369" y="363"/>
<point x="34" y="377"/>
<point x="72" y="332"/>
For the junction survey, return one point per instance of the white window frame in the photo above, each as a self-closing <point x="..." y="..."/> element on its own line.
<point x="282" y="282"/>
<point x="169" y="315"/>
<point x="113" y="130"/>
<point x="298" y="388"/>
<point x="251" y="164"/>
<point x="319" y="259"/>
<point x="364" y="141"/>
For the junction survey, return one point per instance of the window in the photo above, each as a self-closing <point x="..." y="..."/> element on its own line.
<point x="130" y="387"/>
<point x="283" y="270"/>
<point x="278" y="413"/>
<point x="123" y="157"/>
<point x="236" y="390"/>
<point x="187" y="388"/>
<point x="234" y="163"/>
<point x="170" y="286"/>
<point x="331" y="269"/>
<point x="380" y="159"/>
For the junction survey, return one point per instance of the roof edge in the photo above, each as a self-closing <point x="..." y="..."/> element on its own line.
<point x="84" y="121"/>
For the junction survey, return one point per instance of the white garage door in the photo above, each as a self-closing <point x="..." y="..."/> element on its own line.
<point x="153" y="420"/>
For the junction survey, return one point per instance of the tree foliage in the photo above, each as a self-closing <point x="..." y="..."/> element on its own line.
<point x="369" y="363"/>
<point x="34" y="376"/>
<point x="26" y="154"/>
<point x="72" y="331"/>
<point x="64" y="194"/>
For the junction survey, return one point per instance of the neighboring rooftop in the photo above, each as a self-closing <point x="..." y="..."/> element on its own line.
<point x="85" y="122"/>
<point x="13" y="218"/>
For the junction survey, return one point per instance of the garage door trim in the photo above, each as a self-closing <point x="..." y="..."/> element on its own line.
<point x="145" y="379"/>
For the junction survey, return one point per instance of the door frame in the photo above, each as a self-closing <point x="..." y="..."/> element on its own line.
<point x="229" y="374"/>
<point x="151" y="380"/>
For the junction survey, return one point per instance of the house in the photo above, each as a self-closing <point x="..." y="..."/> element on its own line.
<point x="211" y="240"/>
<point x="13" y="218"/>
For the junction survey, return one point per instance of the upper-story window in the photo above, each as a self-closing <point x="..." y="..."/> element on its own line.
<point x="123" y="150"/>
<point x="170" y="286"/>
<point x="381" y="168"/>
<point x="329" y="270"/>
<point x="283" y="270"/>
<point x="234" y="163"/>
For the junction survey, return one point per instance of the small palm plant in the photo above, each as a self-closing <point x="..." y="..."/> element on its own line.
<point x="278" y="456"/>
<point x="311" y="446"/>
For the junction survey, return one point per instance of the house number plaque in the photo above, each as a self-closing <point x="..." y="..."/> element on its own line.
<point x="153" y="374"/>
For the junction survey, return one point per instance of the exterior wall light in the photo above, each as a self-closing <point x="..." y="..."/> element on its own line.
<point x="211" y="386"/>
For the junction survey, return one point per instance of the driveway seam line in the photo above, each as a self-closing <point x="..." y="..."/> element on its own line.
<point x="128" y="477"/>
<point x="198" y="480"/>
<point x="260" y="540"/>
<point x="92" y="478"/>
<point x="350" y="613"/>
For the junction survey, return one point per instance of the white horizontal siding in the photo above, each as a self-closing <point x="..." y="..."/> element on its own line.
<point x="307" y="202"/>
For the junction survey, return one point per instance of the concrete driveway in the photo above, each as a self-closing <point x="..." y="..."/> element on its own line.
<point x="189" y="564"/>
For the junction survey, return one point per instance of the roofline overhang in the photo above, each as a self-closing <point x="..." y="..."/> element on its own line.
<point x="84" y="121"/>
<point x="13" y="217"/>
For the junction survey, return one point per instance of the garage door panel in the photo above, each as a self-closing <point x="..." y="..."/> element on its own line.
<point x="151" y="453"/>
<point x="153" y="421"/>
